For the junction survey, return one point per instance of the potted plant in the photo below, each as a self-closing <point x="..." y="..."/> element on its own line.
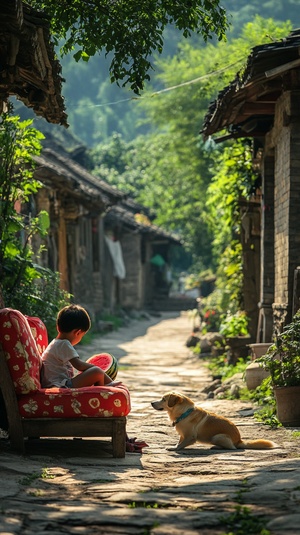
<point x="234" y="329"/>
<point x="282" y="361"/>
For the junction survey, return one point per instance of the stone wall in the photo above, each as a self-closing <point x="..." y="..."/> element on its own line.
<point x="131" y="286"/>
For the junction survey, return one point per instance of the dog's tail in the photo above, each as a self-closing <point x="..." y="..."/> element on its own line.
<point x="259" y="444"/>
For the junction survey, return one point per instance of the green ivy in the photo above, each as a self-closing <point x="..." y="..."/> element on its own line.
<point x="235" y="325"/>
<point x="24" y="284"/>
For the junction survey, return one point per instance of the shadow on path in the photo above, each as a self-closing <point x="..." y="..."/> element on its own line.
<point x="112" y="342"/>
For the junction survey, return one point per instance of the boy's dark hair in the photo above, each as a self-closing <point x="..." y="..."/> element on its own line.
<point x="73" y="317"/>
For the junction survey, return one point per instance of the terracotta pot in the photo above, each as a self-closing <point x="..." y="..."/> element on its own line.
<point x="288" y="405"/>
<point x="258" y="350"/>
<point x="254" y="375"/>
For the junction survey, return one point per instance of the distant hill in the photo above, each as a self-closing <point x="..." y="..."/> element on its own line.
<point x="96" y="108"/>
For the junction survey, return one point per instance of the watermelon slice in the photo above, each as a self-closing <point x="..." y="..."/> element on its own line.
<point x="107" y="362"/>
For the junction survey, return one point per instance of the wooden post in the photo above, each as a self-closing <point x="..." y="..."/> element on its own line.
<point x="2" y="305"/>
<point x="296" y="291"/>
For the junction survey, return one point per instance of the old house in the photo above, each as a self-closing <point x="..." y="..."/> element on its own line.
<point x="262" y="103"/>
<point x="79" y="244"/>
<point x="29" y="69"/>
<point x="99" y="240"/>
<point x="128" y="228"/>
<point x="76" y="202"/>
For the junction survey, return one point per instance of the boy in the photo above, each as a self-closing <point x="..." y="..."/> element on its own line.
<point x="60" y="358"/>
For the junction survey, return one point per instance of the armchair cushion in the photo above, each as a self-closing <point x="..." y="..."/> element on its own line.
<point x="20" y="350"/>
<point x="92" y="401"/>
<point x="39" y="331"/>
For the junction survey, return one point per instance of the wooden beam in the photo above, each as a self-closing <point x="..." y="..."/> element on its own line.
<point x="258" y="108"/>
<point x="282" y="68"/>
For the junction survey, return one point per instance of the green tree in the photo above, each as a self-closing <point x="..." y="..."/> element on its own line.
<point x="24" y="285"/>
<point x="170" y="169"/>
<point x="242" y="11"/>
<point x="18" y="143"/>
<point x="129" y="31"/>
<point x="189" y="81"/>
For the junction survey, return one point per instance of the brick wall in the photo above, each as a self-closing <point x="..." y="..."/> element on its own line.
<point x="286" y="139"/>
<point x="265" y="322"/>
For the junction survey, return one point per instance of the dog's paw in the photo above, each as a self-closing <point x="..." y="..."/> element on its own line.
<point x="172" y="448"/>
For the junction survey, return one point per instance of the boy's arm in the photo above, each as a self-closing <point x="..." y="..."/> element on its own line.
<point x="80" y="365"/>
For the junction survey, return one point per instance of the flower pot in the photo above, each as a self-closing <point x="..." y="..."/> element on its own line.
<point x="237" y="348"/>
<point x="288" y="405"/>
<point x="258" y="350"/>
<point x="254" y="375"/>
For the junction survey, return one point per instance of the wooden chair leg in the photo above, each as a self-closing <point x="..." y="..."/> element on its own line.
<point x="15" y="430"/>
<point x="16" y="441"/>
<point x="119" y="438"/>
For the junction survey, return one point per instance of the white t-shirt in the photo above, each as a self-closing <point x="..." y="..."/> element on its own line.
<point x="56" y="368"/>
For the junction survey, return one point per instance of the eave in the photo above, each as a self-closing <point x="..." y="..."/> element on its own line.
<point x="29" y="69"/>
<point x="246" y="107"/>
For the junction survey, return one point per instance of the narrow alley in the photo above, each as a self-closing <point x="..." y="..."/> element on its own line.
<point x="75" y="486"/>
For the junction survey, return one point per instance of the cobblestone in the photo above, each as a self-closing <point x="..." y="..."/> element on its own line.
<point x="75" y="486"/>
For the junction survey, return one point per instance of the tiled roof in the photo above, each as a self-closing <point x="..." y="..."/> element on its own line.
<point x="56" y="168"/>
<point x="123" y="215"/>
<point x="246" y="106"/>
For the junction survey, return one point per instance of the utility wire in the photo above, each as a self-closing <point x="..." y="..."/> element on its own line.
<point x="171" y="88"/>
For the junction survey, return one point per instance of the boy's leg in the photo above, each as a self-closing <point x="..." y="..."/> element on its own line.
<point x="89" y="377"/>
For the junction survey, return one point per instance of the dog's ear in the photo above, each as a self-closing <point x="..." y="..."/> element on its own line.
<point x="173" y="399"/>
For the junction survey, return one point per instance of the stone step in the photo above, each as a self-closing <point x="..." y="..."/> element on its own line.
<point x="172" y="304"/>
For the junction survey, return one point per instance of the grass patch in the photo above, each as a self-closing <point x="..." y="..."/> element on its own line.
<point x="43" y="474"/>
<point x="117" y="321"/>
<point x="148" y="505"/>
<point x="263" y="396"/>
<point x="243" y="522"/>
<point x="27" y="480"/>
<point x="37" y="493"/>
<point x="220" y="367"/>
<point x="46" y="474"/>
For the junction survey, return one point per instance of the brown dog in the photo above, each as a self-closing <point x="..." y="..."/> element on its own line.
<point x="194" y="424"/>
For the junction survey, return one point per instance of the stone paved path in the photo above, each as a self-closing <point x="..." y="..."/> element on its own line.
<point x="75" y="487"/>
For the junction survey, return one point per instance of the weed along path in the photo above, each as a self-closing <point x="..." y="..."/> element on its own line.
<point x="75" y="486"/>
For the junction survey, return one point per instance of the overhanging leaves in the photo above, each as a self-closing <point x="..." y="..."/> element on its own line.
<point x="132" y="30"/>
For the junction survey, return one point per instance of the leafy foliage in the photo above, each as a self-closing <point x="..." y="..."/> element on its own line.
<point x="220" y="366"/>
<point x="263" y="396"/>
<point x="97" y="108"/>
<point x="129" y="30"/>
<point x="235" y="325"/>
<point x="18" y="143"/>
<point x="280" y="10"/>
<point x="24" y="285"/>
<point x="282" y="359"/>
<point x="192" y="187"/>
<point x="233" y="180"/>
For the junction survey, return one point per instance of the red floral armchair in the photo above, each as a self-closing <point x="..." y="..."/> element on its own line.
<point x="35" y="411"/>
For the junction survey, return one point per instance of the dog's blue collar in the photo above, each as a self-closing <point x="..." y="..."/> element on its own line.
<point x="182" y="416"/>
